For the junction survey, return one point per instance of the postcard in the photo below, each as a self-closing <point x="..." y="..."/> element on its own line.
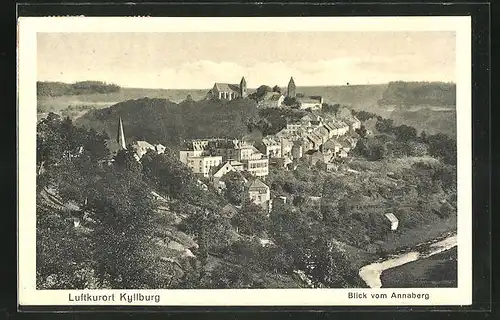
<point x="285" y="161"/>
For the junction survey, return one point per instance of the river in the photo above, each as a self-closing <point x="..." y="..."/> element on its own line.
<point x="371" y="273"/>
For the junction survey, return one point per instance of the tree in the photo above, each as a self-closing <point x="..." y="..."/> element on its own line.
<point x="235" y="191"/>
<point x="251" y="220"/>
<point x="406" y="133"/>
<point x="329" y="266"/>
<point x="331" y="108"/>
<point x="385" y="125"/>
<point x="361" y="131"/>
<point x="170" y="175"/>
<point x="276" y="88"/>
<point x="123" y="211"/>
<point x="291" y="102"/>
<point x="125" y="160"/>
<point x="378" y="152"/>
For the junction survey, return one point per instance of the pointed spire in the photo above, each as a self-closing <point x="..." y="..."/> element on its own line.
<point x="291" y="88"/>
<point x="120" y="137"/>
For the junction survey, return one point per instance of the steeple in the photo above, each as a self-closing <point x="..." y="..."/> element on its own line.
<point x="291" y="88"/>
<point x="243" y="87"/>
<point x="120" y="137"/>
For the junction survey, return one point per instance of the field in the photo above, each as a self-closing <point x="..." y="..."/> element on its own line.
<point x="56" y="104"/>
<point x="439" y="270"/>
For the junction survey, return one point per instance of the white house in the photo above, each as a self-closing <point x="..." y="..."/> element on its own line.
<point x="313" y="102"/>
<point x="259" y="193"/>
<point x="142" y="147"/>
<point x="271" y="100"/>
<point x="393" y="220"/>
<point x="202" y="165"/>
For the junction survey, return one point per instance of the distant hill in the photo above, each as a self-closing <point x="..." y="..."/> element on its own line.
<point x="419" y="93"/>
<point x="104" y="100"/>
<point x="431" y="117"/>
<point x="54" y="89"/>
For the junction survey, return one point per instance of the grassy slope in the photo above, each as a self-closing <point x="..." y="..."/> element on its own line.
<point x="439" y="270"/>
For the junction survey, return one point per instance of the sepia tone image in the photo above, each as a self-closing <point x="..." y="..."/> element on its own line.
<point x="234" y="160"/>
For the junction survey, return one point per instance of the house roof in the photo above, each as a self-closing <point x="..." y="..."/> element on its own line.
<point x="235" y="163"/>
<point x="227" y="87"/>
<point x="351" y="120"/>
<point x="218" y="170"/>
<point x="269" y="141"/>
<point x="272" y="96"/>
<point x="257" y="184"/>
<point x="391" y="217"/>
<point x="313" y="152"/>
<point x="229" y="210"/>
<point x="309" y="100"/>
<point x="332" y="144"/>
<point x="144" y="144"/>
<point x="314" y="137"/>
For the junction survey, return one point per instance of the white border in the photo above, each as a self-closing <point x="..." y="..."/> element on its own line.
<point x="28" y="27"/>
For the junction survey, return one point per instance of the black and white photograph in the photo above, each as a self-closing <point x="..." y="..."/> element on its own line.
<point x="247" y="155"/>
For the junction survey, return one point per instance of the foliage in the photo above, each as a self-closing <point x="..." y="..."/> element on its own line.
<point x="291" y="102"/>
<point x="329" y="266"/>
<point x="260" y="92"/>
<point x="235" y="190"/>
<point x="251" y="220"/>
<point x="162" y="121"/>
<point x="331" y="108"/>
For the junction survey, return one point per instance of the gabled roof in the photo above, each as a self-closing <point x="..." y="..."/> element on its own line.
<point x="219" y="170"/>
<point x="311" y="152"/>
<point x="269" y="141"/>
<point x="391" y="217"/>
<point x="143" y="144"/>
<point x="257" y="184"/>
<point x="332" y="144"/>
<point x="227" y="87"/>
<point x="314" y="137"/>
<point x="272" y="96"/>
<point x="309" y="100"/>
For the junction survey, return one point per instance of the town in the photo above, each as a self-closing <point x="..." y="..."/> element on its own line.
<point x="317" y="138"/>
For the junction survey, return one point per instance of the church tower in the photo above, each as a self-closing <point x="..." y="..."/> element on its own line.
<point x="120" y="137"/>
<point x="243" y="87"/>
<point x="291" y="88"/>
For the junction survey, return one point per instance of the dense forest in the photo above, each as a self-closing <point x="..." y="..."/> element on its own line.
<point x="419" y="93"/>
<point x="77" y="88"/>
<point x="160" y="120"/>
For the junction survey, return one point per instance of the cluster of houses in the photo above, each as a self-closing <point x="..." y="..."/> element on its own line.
<point x="273" y="99"/>
<point x="315" y="137"/>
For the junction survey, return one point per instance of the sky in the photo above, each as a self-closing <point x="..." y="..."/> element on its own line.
<point x="197" y="60"/>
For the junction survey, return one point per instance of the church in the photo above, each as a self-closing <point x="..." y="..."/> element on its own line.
<point x="228" y="91"/>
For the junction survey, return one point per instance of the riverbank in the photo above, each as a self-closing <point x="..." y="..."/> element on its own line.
<point x="371" y="274"/>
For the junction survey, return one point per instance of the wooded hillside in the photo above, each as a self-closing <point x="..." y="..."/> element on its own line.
<point x="77" y="88"/>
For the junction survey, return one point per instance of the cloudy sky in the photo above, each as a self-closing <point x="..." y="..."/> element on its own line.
<point x="196" y="60"/>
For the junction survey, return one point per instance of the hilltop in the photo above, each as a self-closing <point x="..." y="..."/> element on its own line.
<point x="434" y="112"/>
